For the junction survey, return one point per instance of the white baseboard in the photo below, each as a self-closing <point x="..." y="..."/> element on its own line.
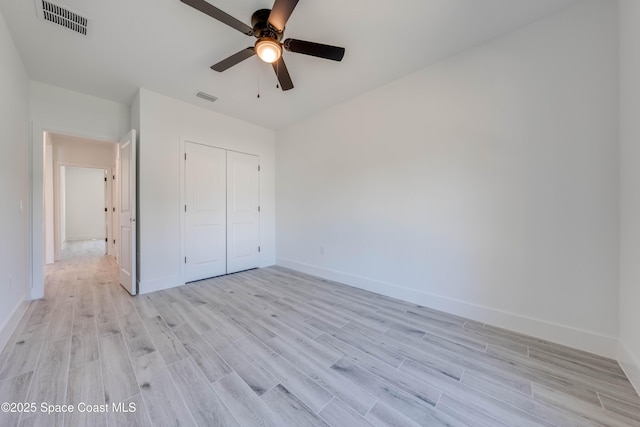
<point x="37" y="292"/>
<point x="83" y="238"/>
<point x="630" y="363"/>
<point x="10" y="325"/>
<point x="147" y="286"/>
<point x="566" y="335"/>
<point x="267" y="262"/>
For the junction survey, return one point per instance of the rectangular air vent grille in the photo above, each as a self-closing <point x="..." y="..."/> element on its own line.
<point x="64" y="17"/>
<point x="206" y="96"/>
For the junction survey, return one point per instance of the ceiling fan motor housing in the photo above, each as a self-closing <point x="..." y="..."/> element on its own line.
<point x="261" y="27"/>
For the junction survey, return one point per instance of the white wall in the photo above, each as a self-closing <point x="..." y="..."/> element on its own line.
<point x="62" y="111"/>
<point x="629" y="351"/>
<point x="485" y="185"/>
<point x="165" y="124"/>
<point x="85" y="204"/>
<point x="78" y="114"/>
<point x="14" y="186"/>
<point x="73" y="151"/>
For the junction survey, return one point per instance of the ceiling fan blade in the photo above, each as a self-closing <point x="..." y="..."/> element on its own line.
<point x="219" y="15"/>
<point x="315" y="49"/>
<point x="283" y="74"/>
<point x="280" y="13"/>
<point x="234" y="59"/>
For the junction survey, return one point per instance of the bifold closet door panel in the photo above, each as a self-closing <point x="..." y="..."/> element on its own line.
<point x="243" y="199"/>
<point x="205" y="212"/>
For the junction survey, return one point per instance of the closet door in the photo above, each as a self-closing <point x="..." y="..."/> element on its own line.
<point x="205" y="212"/>
<point x="243" y="187"/>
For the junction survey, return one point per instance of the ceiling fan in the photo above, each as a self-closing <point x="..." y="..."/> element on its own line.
<point x="268" y="28"/>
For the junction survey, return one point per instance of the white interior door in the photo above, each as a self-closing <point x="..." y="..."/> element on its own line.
<point x="114" y="207"/>
<point x="243" y="218"/>
<point x="205" y="211"/>
<point x="127" y="212"/>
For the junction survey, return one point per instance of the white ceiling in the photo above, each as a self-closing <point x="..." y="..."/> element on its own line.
<point x="168" y="47"/>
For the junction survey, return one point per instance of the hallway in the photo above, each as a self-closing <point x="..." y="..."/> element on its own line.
<point x="83" y="248"/>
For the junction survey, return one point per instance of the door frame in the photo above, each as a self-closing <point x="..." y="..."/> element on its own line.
<point x="36" y="185"/>
<point x="58" y="208"/>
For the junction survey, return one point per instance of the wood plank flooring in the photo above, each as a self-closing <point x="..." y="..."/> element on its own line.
<point x="83" y="248"/>
<point x="274" y="347"/>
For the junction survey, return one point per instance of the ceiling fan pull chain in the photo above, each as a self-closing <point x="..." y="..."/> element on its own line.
<point x="278" y="75"/>
<point x="258" y="75"/>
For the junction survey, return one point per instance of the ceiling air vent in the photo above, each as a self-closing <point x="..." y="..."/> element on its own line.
<point x="62" y="16"/>
<point x="206" y="96"/>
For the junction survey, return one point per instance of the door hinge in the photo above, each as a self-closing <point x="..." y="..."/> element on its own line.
<point x="258" y="208"/>
<point x="258" y="248"/>
<point x="114" y="241"/>
<point x="185" y="156"/>
<point x="185" y="260"/>
<point x="185" y="208"/>
<point x="106" y="209"/>
<point x="114" y="177"/>
<point x="114" y="209"/>
<point x="105" y="179"/>
<point x="258" y="168"/>
<point x="106" y="239"/>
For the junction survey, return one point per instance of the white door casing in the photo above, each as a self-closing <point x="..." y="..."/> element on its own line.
<point x="108" y="185"/>
<point x="243" y="217"/>
<point x="205" y="211"/>
<point x="127" y="212"/>
<point x="107" y="214"/>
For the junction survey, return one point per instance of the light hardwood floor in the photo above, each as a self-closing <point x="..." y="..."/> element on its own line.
<point x="83" y="248"/>
<point x="274" y="347"/>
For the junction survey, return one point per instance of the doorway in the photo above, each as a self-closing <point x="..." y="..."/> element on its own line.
<point x="83" y="212"/>
<point x="76" y="201"/>
<point x="78" y="213"/>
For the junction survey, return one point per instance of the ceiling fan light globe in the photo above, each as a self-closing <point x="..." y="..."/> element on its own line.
<point x="268" y="50"/>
